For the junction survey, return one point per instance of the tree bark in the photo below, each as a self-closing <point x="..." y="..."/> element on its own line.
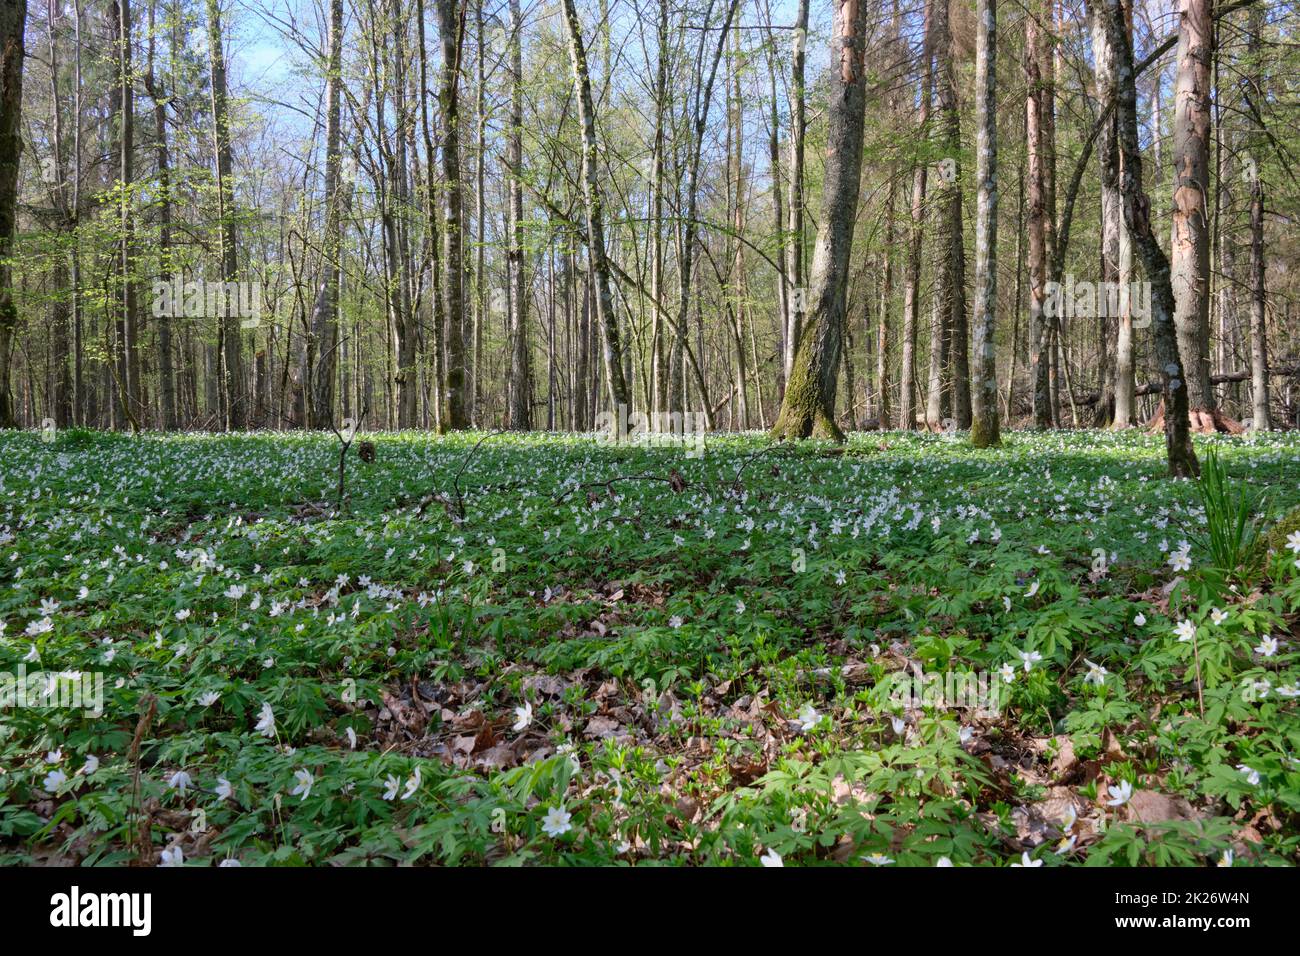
<point x="794" y="240"/>
<point x="324" y="318"/>
<point x="519" y="413"/>
<point x="451" y="27"/>
<point x="808" y="408"/>
<point x="912" y="284"/>
<point x="1261" y="411"/>
<point x="605" y="315"/>
<point x="1190" y="244"/>
<point x="984" y="393"/>
<point x="13" y="23"/>
<point x="232" y="361"/>
<point x="1118" y="87"/>
<point x="162" y="161"/>
<point x="1036" y="220"/>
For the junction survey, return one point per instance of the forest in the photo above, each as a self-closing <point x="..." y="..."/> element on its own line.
<point x="617" y="432"/>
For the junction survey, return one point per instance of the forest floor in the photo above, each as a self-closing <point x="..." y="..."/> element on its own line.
<point x="545" y="649"/>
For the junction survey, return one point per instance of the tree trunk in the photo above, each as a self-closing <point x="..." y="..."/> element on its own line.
<point x="519" y="413"/>
<point x="13" y="23"/>
<point x="882" y="321"/>
<point x="1118" y="88"/>
<point x="1111" y="226"/>
<point x="1261" y="413"/>
<point x="794" y="241"/>
<point x="808" y="408"/>
<point x="605" y="315"/>
<point x="1190" y="245"/>
<point x="984" y="393"/>
<point x="1037" y="221"/>
<point x="658" y="332"/>
<point x="232" y="360"/>
<point x="166" y="373"/>
<point x="957" y="333"/>
<point x="451" y="27"/>
<point x="436" y="305"/>
<point x="324" y="317"/>
<point x="912" y="285"/>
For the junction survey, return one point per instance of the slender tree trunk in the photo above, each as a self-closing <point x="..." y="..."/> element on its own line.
<point x="957" y="333"/>
<point x="13" y="23"/>
<point x="886" y="305"/>
<point x="519" y="414"/>
<point x="1190" y="257"/>
<point x="984" y="393"/>
<point x="1261" y="413"/>
<point x="1039" y="322"/>
<point x="436" y="305"/>
<point x="912" y="285"/>
<point x="690" y="227"/>
<point x="166" y="372"/>
<point x="232" y="355"/>
<point x="1119" y="88"/>
<point x="451" y="27"/>
<point x="605" y="315"/>
<point x="1112" y="231"/>
<point x="324" y="318"/>
<point x="794" y="241"/>
<point x="480" y="313"/>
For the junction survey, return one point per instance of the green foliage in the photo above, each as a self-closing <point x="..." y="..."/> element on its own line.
<point x="710" y="675"/>
<point x="1230" y="528"/>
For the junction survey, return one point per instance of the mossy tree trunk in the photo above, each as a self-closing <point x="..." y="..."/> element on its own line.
<point x="13" y="21"/>
<point x="808" y="409"/>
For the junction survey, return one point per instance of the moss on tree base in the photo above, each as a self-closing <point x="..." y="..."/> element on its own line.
<point x="801" y="421"/>
<point x="1275" y="539"/>
<point x="985" y="434"/>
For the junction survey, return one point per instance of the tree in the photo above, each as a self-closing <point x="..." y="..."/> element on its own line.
<point x="1116" y="403"/>
<point x="605" y="315"/>
<point x="1036" y="64"/>
<point x="13" y="23"/>
<point x="162" y="163"/>
<point x="949" y="381"/>
<point x="232" y="371"/>
<point x="129" y="384"/>
<point x="912" y="283"/>
<point x="519" y="405"/>
<point x="808" y="408"/>
<point x="1117" y="89"/>
<point x="1190" y="244"/>
<point x="984" y="391"/>
<point x="793" y="243"/>
<point x="451" y="27"/>
<point x="324" y="316"/>
<point x="1262" y="416"/>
